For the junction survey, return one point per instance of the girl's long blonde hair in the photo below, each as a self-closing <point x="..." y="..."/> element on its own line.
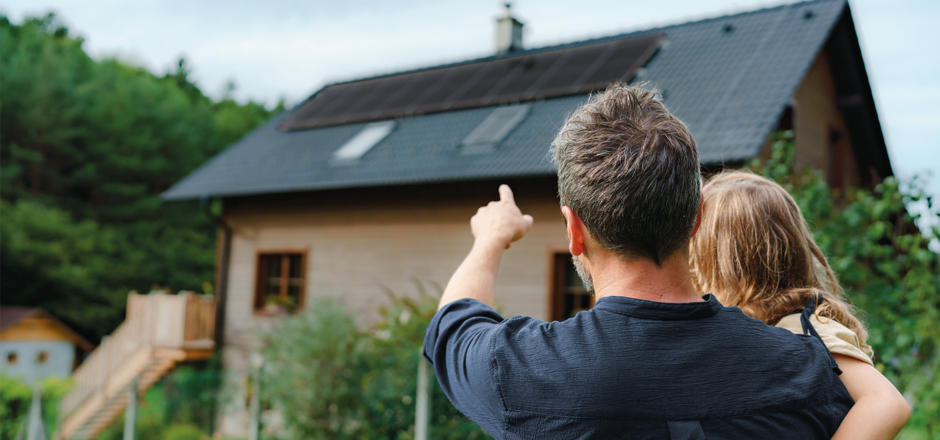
<point x="753" y="250"/>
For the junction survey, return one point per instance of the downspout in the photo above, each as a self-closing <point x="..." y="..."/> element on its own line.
<point x="221" y="282"/>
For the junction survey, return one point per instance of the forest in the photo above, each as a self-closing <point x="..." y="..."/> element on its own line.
<point x="86" y="148"/>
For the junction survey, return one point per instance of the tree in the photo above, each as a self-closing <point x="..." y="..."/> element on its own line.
<point x="87" y="147"/>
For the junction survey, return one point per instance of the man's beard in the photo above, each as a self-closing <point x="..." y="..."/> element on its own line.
<point x="583" y="273"/>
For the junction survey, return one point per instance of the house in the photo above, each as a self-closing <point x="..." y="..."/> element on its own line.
<point x="35" y="345"/>
<point x="370" y="183"/>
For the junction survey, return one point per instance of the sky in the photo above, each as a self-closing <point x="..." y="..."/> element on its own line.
<point x="289" y="49"/>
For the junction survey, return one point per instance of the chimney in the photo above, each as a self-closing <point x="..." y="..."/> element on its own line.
<point x="508" y="33"/>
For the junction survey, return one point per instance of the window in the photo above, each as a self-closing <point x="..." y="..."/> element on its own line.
<point x="362" y="142"/>
<point x="568" y="293"/>
<point x="42" y="357"/>
<point x="11" y="358"/>
<point x="280" y="283"/>
<point x="494" y="128"/>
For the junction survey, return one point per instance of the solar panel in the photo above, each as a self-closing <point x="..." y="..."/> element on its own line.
<point x="560" y="72"/>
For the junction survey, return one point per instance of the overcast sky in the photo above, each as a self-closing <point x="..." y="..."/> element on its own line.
<point x="288" y="49"/>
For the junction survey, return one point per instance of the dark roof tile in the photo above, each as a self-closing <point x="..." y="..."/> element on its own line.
<point x="730" y="88"/>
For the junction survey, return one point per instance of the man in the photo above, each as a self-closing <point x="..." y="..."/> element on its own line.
<point x="653" y="358"/>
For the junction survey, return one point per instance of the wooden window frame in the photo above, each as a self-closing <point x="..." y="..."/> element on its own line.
<point x="260" y="284"/>
<point x="557" y="258"/>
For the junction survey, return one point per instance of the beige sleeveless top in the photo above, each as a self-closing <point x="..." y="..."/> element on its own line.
<point x="837" y="337"/>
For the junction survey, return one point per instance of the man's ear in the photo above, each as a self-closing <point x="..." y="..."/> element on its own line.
<point x="698" y="216"/>
<point x="575" y="231"/>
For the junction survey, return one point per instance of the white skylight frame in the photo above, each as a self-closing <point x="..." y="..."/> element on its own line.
<point x="500" y="122"/>
<point x="360" y="144"/>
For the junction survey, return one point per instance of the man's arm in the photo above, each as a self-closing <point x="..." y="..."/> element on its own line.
<point x="879" y="411"/>
<point x="494" y="227"/>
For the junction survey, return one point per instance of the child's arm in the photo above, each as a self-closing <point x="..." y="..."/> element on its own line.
<point x="879" y="412"/>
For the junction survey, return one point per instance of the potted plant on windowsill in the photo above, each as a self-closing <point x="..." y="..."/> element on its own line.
<point x="278" y="305"/>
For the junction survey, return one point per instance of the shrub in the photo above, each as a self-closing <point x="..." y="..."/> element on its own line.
<point x="329" y="379"/>
<point x="183" y="432"/>
<point x="16" y="397"/>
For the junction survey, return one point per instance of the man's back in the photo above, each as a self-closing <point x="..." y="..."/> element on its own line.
<point x="635" y="369"/>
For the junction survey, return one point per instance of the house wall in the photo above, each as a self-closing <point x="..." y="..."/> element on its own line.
<point x="816" y="122"/>
<point x="358" y="242"/>
<point x="59" y="358"/>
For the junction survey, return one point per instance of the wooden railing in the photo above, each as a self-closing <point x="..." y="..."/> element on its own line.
<point x="154" y="321"/>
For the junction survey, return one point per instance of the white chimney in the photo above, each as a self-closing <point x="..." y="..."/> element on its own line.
<point x="508" y="33"/>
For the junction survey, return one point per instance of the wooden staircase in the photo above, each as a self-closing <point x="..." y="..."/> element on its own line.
<point x="160" y="331"/>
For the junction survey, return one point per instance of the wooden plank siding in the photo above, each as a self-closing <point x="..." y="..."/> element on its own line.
<point x="820" y="133"/>
<point x="357" y="244"/>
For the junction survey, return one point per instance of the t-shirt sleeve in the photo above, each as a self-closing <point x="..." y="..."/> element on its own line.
<point x="459" y="343"/>
<point x="837" y="337"/>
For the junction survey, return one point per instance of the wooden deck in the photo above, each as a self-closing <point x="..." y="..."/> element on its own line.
<point x="160" y="331"/>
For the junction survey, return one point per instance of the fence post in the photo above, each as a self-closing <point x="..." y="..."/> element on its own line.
<point x="423" y="401"/>
<point x="32" y="425"/>
<point x="254" y="426"/>
<point x="130" y="414"/>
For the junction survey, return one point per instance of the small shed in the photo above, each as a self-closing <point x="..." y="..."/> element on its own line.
<point x="35" y="345"/>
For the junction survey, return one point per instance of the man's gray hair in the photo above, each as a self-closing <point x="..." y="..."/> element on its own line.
<point x="630" y="170"/>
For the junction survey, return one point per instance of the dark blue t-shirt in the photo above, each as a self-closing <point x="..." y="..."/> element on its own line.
<point x="634" y="369"/>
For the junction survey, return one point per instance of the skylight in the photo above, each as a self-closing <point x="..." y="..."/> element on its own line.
<point x="362" y="142"/>
<point x="494" y="128"/>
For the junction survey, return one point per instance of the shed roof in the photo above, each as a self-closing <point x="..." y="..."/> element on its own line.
<point x="10" y="316"/>
<point x="728" y="78"/>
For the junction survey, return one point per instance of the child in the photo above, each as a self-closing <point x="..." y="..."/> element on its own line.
<point x="753" y="250"/>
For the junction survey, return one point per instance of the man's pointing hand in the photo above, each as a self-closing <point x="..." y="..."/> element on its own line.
<point x="501" y="221"/>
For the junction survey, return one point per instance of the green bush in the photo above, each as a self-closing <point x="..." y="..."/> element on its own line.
<point x="887" y="270"/>
<point x="329" y="379"/>
<point x="16" y="397"/>
<point x="180" y="406"/>
<point x="183" y="432"/>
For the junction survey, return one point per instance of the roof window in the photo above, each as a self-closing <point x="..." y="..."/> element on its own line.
<point x="362" y="142"/>
<point x="493" y="129"/>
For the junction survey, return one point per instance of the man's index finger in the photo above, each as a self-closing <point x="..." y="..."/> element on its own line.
<point x="505" y="194"/>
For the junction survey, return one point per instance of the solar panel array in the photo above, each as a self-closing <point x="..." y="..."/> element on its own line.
<point x="514" y="79"/>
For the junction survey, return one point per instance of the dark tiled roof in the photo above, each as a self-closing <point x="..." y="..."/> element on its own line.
<point x="730" y="87"/>
<point x="10" y="315"/>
